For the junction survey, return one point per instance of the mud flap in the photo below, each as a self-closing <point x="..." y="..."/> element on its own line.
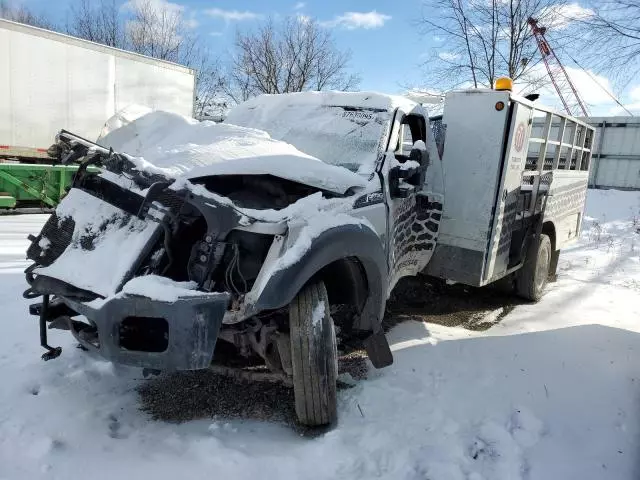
<point x="378" y="350"/>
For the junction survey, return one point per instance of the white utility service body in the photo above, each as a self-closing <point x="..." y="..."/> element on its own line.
<point x="50" y="81"/>
<point x="498" y="167"/>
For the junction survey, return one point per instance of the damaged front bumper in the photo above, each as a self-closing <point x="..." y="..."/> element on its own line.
<point x="180" y="334"/>
<point x="101" y="236"/>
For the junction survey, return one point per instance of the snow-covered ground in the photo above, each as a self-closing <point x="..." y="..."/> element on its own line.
<point x="551" y="392"/>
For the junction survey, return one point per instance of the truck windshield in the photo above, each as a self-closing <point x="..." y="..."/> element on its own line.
<point x="345" y="136"/>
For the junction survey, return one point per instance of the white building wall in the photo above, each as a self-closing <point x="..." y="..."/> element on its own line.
<point x="616" y="156"/>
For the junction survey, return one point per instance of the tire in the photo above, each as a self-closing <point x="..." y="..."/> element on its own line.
<point x="553" y="266"/>
<point x="532" y="278"/>
<point x="314" y="357"/>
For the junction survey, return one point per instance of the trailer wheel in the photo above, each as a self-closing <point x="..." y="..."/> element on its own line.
<point x="314" y="356"/>
<point x="532" y="278"/>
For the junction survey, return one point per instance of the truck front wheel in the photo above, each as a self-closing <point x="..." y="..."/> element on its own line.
<point x="314" y="356"/>
<point x="532" y="278"/>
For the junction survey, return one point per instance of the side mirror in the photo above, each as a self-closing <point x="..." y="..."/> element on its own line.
<point x="398" y="187"/>
<point x="404" y="180"/>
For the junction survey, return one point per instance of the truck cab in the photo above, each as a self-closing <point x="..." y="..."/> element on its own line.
<point x="386" y="140"/>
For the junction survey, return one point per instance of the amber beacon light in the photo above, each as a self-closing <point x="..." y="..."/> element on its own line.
<point x="504" y="83"/>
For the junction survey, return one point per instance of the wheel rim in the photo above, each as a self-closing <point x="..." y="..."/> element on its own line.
<point x="542" y="269"/>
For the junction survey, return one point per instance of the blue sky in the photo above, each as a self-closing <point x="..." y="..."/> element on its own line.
<point x="385" y="46"/>
<point x="388" y="50"/>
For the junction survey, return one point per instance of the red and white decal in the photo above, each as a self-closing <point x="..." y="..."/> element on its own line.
<point x="518" y="141"/>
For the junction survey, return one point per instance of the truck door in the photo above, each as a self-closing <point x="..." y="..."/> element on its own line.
<point x="413" y="213"/>
<point x="508" y="191"/>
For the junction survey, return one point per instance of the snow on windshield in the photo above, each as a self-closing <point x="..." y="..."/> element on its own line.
<point x="345" y="136"/>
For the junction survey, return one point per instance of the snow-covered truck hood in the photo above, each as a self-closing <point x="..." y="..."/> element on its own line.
<point x="185" y="148"/>
<point x="105" y="236"/>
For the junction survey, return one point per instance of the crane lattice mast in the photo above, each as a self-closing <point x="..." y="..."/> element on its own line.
<point x="567" y="91"/>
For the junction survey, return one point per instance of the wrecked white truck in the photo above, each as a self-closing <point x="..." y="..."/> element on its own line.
<point x="199" y="243"/>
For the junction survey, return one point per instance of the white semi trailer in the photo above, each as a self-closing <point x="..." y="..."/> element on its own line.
<point x="50" y="81"/>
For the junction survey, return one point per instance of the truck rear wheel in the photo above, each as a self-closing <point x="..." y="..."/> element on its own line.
<point x="553" y="266"/>
<point x="314" y="356"/>
<point x="532" y="278"/>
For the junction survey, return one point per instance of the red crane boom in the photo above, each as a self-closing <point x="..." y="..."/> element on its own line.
<point x="567" y="92"/>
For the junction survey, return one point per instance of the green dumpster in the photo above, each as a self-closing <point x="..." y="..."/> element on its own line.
<point x="24" y="185"/>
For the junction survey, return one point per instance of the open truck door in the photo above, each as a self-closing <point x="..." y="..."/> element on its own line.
<point x="508" y="191"/>
<point x="414" y="204"/>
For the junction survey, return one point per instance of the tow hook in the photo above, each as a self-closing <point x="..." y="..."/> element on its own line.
<point x="52" y="352"/>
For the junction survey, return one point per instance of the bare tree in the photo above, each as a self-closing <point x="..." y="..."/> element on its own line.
<point x="160" y="32"/>
<point x="612" y="37"/>
<point x="142" y="26"/>
<point x="154" y="29"/>
<point x="211" y="98"/>
<point x="21" y="14"/>
<point x="98" y="21"/>
<point x="292" y="56"/>
<point x="480" y="40"/>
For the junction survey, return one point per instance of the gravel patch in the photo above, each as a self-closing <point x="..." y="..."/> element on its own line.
<point x="431" y="300"/>
<point x="355" y="364"/>
<point x="184" y="396"/>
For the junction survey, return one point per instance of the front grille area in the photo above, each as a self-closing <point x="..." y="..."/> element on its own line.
<point x="54" y="238"/>
<point x="171" y="200"/>
<point x="121" y="212"/>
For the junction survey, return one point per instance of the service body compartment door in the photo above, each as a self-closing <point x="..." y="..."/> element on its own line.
<point x="508" y="192"/>
<point x="477" y="128"/>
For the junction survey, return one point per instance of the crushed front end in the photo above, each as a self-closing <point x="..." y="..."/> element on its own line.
<point x="139" y="269"/>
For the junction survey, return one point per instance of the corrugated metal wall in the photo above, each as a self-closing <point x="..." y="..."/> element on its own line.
<point x="616" y="154"/>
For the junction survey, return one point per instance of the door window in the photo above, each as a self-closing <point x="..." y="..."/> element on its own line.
<point x="412" y="129"/>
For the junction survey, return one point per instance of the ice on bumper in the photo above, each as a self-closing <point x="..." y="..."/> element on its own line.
<point x="149" y="321"/>
<point x="156" y="287"/>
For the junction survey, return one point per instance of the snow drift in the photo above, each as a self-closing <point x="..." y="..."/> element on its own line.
<point x="551" y="392"/>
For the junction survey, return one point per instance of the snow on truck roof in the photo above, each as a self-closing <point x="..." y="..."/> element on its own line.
<point x="185" y="148"/>
<point x="328" y="140"/>
<point x="346" y="129"/>
<point x="364" y="100"/>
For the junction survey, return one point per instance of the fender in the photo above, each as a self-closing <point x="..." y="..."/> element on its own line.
<point x="336" y="243"/>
